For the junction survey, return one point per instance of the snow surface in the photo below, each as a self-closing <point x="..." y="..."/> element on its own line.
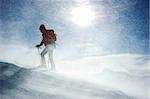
<point x="122" y="76"/>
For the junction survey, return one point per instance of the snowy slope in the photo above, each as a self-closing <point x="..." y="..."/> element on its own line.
<point x="129" y="73"/>
<point x="20" y="83"/>
<point x="105" y="77"/>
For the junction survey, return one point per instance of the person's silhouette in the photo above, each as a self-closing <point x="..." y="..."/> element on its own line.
<point x="48" y="39"/>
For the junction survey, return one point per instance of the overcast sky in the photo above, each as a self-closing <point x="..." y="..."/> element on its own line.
<point x="110" y="26"/>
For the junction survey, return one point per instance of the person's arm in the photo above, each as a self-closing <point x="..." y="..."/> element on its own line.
<point x="39" y="44"/>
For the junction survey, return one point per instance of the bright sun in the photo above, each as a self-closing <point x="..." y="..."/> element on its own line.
<point x="82" y="16"/>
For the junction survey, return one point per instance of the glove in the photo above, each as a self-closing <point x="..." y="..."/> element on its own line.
<point x="38" y="46"/>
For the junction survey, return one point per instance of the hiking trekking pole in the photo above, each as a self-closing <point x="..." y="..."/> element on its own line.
<point x="38" y="50"/>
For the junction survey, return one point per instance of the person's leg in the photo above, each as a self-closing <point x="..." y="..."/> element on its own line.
<point x="50" y="54"/>
<point x="43" y="61"/>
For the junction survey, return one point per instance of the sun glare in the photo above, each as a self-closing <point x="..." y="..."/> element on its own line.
<point x="82" y="16"/>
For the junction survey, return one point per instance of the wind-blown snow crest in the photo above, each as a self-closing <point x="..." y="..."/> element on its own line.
<point x="122" y="76"/>
<point x="129" y="73"/>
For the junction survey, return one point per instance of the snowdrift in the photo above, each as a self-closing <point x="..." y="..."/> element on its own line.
<point x="98" y="77"/>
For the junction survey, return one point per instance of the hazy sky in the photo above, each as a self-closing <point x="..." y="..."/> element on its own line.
<point x="83" y="27"/>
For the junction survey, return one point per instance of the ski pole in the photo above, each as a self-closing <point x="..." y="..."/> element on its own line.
<point x="38" y="50"/>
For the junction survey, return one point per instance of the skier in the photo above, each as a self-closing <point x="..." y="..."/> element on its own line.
<point x="48" y="39"/>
